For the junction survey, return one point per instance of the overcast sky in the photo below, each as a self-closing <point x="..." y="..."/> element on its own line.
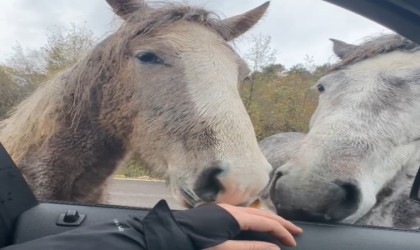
<point x="297" y="27"/>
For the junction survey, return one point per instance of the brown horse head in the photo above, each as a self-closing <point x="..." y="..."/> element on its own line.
<point x="163" y="89"/>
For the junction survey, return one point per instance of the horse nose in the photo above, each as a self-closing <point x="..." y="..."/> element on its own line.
<point x="208" y="185"/>
<point x="345" y="200"/>
<point x="337" y="201"/>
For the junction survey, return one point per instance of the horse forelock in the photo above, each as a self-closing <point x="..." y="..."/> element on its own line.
<point x="375" y="46"/>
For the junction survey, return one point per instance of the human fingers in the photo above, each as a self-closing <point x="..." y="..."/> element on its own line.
<point x="258" y="223"/>
<point x="262" y="224"/>
<point x="244" y="245"/>
<point x="292" y="228"/>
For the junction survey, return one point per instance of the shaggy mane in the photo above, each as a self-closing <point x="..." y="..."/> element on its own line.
<point x="376" y="46"/>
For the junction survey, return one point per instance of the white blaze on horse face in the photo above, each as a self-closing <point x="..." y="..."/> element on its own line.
<point x="212" y="71"/>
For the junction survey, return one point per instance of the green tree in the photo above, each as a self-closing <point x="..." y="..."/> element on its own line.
<point x="25" y="70"/>
<point x="64" y="47"/>
<point x="28" y="67"/>
<point x="279" y="99"/>
<point x="259" y="56"/>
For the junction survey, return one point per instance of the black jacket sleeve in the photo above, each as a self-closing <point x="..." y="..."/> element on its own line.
<point x="197" y="228"/>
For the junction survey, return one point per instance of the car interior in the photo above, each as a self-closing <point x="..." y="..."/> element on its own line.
<point x="24" y="218"/>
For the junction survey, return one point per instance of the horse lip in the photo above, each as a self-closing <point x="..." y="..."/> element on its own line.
<point x="302" y="215"/>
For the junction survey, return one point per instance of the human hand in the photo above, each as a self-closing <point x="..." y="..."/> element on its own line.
<point x="259" y="220"/>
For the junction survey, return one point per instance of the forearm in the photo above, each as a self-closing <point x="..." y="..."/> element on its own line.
<point x="197" y="228"/>
<point x="157" y="230"/>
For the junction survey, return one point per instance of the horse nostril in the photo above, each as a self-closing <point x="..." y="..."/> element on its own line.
<point x="208" y="185"/>
<point x="272" y="184"/>
<point x="352" y="194"/>
<point x="274" y="176"/>
<point x="346" y="201"/>
<point x="278" y="174"/>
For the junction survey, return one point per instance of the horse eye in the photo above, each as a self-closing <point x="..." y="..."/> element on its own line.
<point x="149" y="58"/>
<point x="320" y="88"/>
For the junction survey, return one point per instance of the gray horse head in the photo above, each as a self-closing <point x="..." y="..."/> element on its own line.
<point x="364" y="135"/>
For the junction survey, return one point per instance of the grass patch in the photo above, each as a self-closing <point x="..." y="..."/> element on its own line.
<point x="133" y="169"/>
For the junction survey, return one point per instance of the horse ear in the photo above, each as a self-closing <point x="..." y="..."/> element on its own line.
<point x="342" y="49"/>
<point x="237" y="25"/>
<point x="124" y="7"/>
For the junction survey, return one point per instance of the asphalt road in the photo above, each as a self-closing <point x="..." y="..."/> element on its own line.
<point x="139" y="193"/>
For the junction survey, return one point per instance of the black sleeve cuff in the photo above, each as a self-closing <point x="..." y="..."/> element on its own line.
<point x="162" y="231"/>
<point x="207" y="225"/>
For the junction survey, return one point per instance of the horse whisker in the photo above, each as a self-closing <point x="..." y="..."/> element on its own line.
<point x="190" y="197"/>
